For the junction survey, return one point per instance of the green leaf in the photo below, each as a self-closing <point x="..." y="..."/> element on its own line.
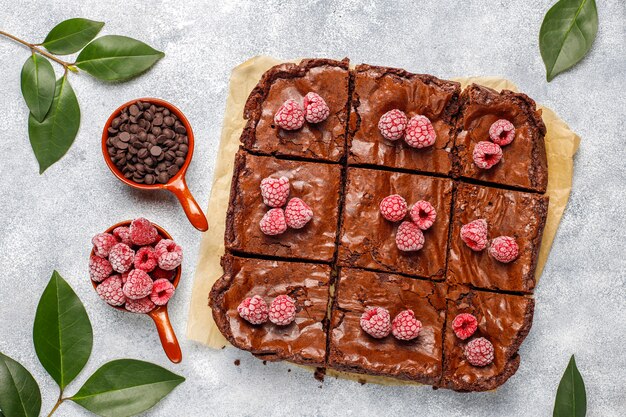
<point x="51" y="138"/>
<point x="566" y="34"/>
<point x="126" y="387"/>
<point x="71" y="35"/>
<point x="571" y="398"/>
<point x="19" y="392"/>
<point x="38" y="85"/>
<point x="62" y="331"/>
<point x="115" y="58"/>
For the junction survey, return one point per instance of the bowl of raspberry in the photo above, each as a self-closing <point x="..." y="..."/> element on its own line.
<point x="135" y="266"/>
<point x="148" y="144"/>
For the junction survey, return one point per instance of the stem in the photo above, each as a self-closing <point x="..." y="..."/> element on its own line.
<point x="40" y="51"/>
<point x="58" y="403"/>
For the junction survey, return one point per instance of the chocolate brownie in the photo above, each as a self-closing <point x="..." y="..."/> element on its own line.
<point x="367" y="240"/>
<point x="304" y="340"/>
<point x="524" y="163"/>
<point x="503" y="319"/>
<point x="317" y="184"/>
<point x="353" y="350"/>
<point x="320" y="141"/>
<point x="508" y="213"/>
<point x="378" y="90"/>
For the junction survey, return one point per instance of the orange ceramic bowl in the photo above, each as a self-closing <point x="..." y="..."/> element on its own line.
<point x="177" y="184"/>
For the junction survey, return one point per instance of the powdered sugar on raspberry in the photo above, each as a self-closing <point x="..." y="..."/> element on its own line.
<point x="405" y="326"/>
<point x="273" y="222"/>
<point x="142" y="232"/>
<point x="393" y="207"/>
<point x="479" y="352"/>
<point x="423" y="214"/>
<point x="290" y="116"/>
<point x="502" y="132"/>
<point x="145" y="259"/>
<point x="99" y="268"/>
<point x="376" y="322"/>
<point x="420" y="132"/>
<point x="464" y="325"/>
<point x="282" y="310"/>
<point x="169" y="254"/>
<point x="254" y="310"/>
<point x="102" y="244"/>
<point x="162" y="291"/>
<point x="138" y="285"/>
<point x="297" y="213"/>
<point x="142" y="305"/>
<point x="110" y="290"/>
<point x="409" y="237"/>
<point x="275" y="191"/>
<point x="504" y="249"/>
<point x="474" y="234"/>
<point x="121" y="257"/>
<point x="315" y="108"/>
<point x="393" y="124"/>
<point x="486" y="154"/>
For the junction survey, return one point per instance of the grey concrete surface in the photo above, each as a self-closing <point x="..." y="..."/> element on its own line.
<point x="46" y="221"/>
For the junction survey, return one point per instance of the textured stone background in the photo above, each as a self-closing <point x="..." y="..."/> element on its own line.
<point x="47" y="220"/>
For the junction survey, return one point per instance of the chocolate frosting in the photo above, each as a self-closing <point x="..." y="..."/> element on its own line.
<point x="304" y="340"/>
<point x="351" y="349"/>
<point x="368" y="240"/>
<point x="378" y="90"/>
<point x="508" y="213"/>
<point x="316" y="184"/>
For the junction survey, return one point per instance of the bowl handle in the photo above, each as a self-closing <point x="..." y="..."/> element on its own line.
<point x="190" y="206"/>
<point x="166" y="334"/>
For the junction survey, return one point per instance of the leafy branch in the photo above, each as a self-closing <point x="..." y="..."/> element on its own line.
<point x="54" y="110"/>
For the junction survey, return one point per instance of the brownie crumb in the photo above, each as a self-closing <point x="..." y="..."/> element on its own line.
<point x="319" y="374"/>
<point x="362" y="381"/>
<point x="264" y="362"/>
<point x="237" y="362"/>
<point x="288" y="370"/>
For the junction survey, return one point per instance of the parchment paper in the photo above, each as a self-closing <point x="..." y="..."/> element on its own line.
<point x="561" y="145"/>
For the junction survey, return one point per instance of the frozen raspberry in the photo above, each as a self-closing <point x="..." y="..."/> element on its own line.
<point x="376" y="322"/>
<point x="275" y="191"/>
<point x="290" y="116"/>
<point x="121" y="257"/>
<point x="486" y="154"/>
<point x="253" y="310"/>
<point x="502" y="132"/>
<point x="142" y="232"/>
<point x="110" y="290"/>
<point x="392" y="124"/>
<point x="420" y="132"/>
<point x="409" y="237"/>
<point x="273" y="222"/>
<point x="145" y="259"/>
<point x="405" y="326"/>
<point x="159" y="273"/>
<point x="315" y="108"/>
<point x="122" y="233"/>
<point x="474" y="234"/>
<point x="124" y="277"/>
<point x="464" y="325"/>
<point x="479" y="352"/>
<point x="162" y="291"/>
<point x="138" y="285"/>
<point x="297" y="213"/>
<point x="99" y="268"/>
<point x="393" y="208"/>
<point x="282" y="310"/>
<point x="143" y="305"/>
<point x="504" y="249"/>
<point x="423" y="214"/>
<point x="169" y="254"/>
<point x="102" y="244"/>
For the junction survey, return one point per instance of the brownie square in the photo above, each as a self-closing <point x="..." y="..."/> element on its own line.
<point x="367" y="240"/>
<point x="378" y="90"/>
<point x="317" y="184"/>
<point x="508" y="213"/>
<point x="353" y="350"/>
<point x="503" y="319"/>
<point x="524" y="163"/>
<point x="304" y="340"/>
<point x="320" y="141"/>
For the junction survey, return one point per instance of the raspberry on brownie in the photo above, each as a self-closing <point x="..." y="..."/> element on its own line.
<point x="378" y="90"/>
<point x="524" y="162"/>
<point x="503" y="319"/>
<point x="353" y="350"/>
<point x="517" y="214"/>
<point x="321" y="140"/>
<point x="368" y="240"/>
<point x="317" y="184"/>
<point x="304" y="340"/>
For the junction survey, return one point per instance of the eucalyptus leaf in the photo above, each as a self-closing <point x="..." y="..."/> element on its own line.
<point x="19" y="392"/>
<point x="62" y="331"/>
<point x="71" y="35"/>
<point x="567" y="33"/>
<point x="116" y="58"/>
<point x="571" y="398"/>
<point x="51" y="138"/>
<point x="125" y="387"/>
<point x="38" y="83"/>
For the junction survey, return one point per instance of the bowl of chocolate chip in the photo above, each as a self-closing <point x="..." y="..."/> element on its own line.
<point x="148" y="144"/>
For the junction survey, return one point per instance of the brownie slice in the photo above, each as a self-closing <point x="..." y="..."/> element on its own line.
<point x="353" y="350"/>
<point x="503" y="319"/>
<point x="524" y="163"/>
<point x="508" y="213"/>
<point x="320" y="141"/>
<point x="317" y="184"/>
<point x="367" y="240"/>
<point x="304" y="340"/>
<point x="378" y="90"/>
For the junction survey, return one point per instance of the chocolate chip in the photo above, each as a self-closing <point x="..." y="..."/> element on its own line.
<point x="179" y="162"/>
<point x="142" y="153"/>
<point x="162" y="177"/>
<point x="133" y="110"/>
<point x="180" y="129"/>
<point x="172" y="170"/>
<point x="149" y="179"/>
<point x="169" y="121"/>
<point x="169" y="133"/>
<point x="155" y="151"/>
